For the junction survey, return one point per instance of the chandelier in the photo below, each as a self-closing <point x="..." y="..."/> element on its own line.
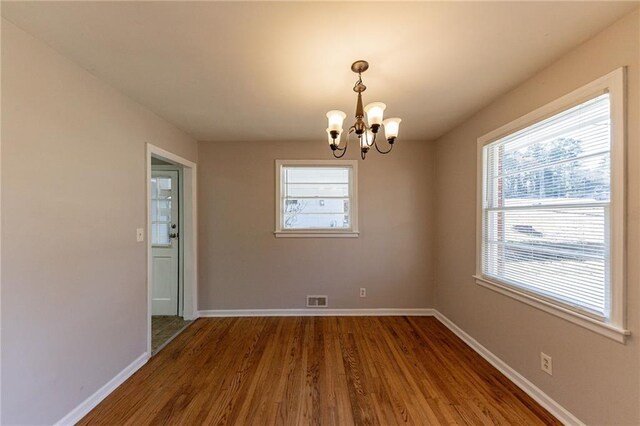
<point x="367" y="134"/>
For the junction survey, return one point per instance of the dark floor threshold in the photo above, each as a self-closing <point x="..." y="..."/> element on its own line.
<point x="162" y="346"/>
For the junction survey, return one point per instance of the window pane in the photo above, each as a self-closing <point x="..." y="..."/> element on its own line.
<point x="585" y="180"/>
<point x="576" y="131"/>
<point x="316" y="198"/>
<point x="315" y="221"/>
<point x="546" y="207"/>
<point x="556" y="252"/>
<point x="317" y="190"/>
<point x="160" y="234"/>
<point x="316" y="205"/>
<point x="154" y="188"/>
<point x="317" y="174"/>
<point x="160" y="210"/>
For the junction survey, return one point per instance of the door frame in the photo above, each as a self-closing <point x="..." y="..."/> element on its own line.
<point x="189" y="232"/>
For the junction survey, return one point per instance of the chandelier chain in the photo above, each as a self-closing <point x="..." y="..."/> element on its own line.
<point x="358" y="83"/>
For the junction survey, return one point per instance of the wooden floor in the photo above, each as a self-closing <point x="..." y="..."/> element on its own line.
<point x="318" y="370"/>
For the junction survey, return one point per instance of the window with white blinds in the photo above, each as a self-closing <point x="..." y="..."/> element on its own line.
<point x="546" y="208"/>
<point x="316" y="197"/>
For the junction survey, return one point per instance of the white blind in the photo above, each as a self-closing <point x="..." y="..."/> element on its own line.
<point x="546" y="203"/>
<point x="315" y="197"/>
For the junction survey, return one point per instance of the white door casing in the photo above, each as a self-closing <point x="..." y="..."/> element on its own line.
<point x="188" y="235"/>
<point x="164" y="242"/>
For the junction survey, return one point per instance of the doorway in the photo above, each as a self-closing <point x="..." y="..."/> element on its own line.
<point x="171" y="246"/>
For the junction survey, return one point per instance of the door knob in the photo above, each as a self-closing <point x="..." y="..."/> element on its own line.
<point x="173" y="235"/>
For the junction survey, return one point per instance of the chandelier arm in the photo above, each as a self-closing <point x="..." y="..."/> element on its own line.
<point x="346" y="145"/>
<point x="373" y="142"/>
<point x="344" y="151"/>
<point x="378" y="149"/>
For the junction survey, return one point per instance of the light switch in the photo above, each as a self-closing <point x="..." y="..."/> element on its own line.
<point x="140" y="235"/>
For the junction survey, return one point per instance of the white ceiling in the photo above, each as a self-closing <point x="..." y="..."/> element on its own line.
<point x="270" y="71"/>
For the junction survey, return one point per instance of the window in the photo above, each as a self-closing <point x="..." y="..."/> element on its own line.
<point x="551" y="207"/>
<point x="316" y="198"/>
<point x="160" y="210"/>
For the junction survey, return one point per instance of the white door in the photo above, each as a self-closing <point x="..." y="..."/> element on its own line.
<point x="164" y="242"/>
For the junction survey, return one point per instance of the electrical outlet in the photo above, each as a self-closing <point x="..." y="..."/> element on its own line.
<point x="363" y="292"/>
<point x="139" y="235"/>
<point x="546" y="364"/>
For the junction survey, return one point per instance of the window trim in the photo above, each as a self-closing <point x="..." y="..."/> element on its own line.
<point x="615" y="327"/>
<point x="317" y="233"/>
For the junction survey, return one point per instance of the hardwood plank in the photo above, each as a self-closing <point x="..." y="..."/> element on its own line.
<point x="318" y="371"/>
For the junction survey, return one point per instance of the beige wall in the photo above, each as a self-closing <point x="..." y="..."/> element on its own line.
<point x="595" y="378"/>
<point x="242" y="265"/>
<point x="73" y="194"/>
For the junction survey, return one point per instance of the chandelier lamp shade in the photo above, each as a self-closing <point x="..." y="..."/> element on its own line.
<point x="366" y="131"/>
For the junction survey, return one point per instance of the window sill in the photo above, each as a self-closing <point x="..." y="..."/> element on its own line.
<point x="316" y="234"/>
<point x="608" y="330"/>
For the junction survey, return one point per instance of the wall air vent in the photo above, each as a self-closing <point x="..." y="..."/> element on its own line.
<point x="317" y="301"/>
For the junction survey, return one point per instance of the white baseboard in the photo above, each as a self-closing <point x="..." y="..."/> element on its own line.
<point x="90" y="403"/>
<point x="529" y="388"/>
<point x="319" y="312"/>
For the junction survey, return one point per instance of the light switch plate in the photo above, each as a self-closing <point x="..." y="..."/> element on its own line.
<point x="139" y="235"/>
